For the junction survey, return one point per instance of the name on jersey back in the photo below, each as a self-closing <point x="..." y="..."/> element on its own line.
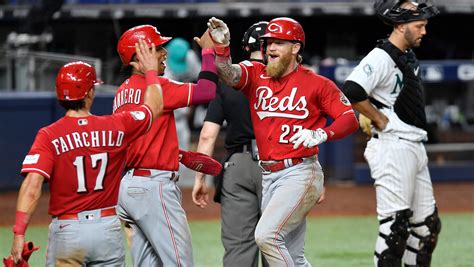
<point x="127" y="96"/>
<point x="77" y="140"/>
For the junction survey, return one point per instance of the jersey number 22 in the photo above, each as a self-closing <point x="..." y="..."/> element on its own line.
<point x="286" y="129"/>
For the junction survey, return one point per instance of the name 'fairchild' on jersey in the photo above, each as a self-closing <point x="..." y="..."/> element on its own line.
<point x="76" y="140"/>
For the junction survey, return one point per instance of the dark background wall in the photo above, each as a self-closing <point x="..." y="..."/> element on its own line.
<point x="349" y="36"/>
<point x="21" y="116"/>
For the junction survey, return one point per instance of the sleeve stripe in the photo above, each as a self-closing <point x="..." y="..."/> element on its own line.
<point x="39" y="171"/>
<point x="189" y="94"/>
<point x="348" y="111"/>
<point x="151" y="116"/>
<point x="246" y="76"/>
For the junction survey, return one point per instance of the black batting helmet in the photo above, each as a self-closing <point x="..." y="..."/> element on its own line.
<point x="391" y="12"/>
<point x="250" y="41"/>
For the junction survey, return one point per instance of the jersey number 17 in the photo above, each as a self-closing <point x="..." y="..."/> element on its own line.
<point x="81" y="178"/>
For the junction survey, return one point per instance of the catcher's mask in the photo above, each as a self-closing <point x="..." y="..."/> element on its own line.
<point x="250" y="41"/>
<point x="391" y="13"/>
<point x="75" y="80"/>
<point x="148" y="33"/>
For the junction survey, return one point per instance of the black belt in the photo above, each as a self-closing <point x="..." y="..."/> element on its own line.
<point x="246" y="148"/>
<point x="241" y="149"/>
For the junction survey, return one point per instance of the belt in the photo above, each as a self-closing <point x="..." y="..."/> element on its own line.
<point x="246" y="148"/>
<point x="376" y="136"/>
<point x="241" y="149"/>
<point x="147" y="173"/>
<point x="274" y="166"/>
<point x="74" y="216"/>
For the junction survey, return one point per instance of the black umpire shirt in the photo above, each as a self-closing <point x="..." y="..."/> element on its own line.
<point x="233" y="107"/>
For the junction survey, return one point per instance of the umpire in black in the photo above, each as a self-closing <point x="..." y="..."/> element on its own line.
<point x="239" y="186"/>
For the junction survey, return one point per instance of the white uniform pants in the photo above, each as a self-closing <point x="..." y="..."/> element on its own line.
<point x="402" y="180"/>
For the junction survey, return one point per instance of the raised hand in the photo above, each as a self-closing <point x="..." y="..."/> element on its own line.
<point x="219" y="32"/>
<point x="205" y="41"/>
<point x="147" y="57"/>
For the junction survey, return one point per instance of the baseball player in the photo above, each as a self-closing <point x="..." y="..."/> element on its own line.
<point x="288" y="106"/>
<point x="239" y="187"/>
<point x="385" y="87"/>
<point x="82" y="156"/>
<point x="149" y="198"/>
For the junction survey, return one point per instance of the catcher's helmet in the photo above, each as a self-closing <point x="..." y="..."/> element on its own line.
<point x="126" y="43"/>
<point x="391" y="13"/>
<point x="75" y="80"/>
<point x="250" y="41"/>
<point x="285" y="29"/>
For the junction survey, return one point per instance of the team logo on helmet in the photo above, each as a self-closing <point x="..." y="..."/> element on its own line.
<point x="273" y="27"/>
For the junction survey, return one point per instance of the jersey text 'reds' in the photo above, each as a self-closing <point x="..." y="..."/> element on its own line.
<point x="87" y="139"/>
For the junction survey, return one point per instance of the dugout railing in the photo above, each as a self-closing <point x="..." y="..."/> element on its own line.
<point x="25" y="70"/>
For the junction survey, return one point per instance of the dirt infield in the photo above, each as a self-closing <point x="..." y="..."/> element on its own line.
<point x="341" y="200"/>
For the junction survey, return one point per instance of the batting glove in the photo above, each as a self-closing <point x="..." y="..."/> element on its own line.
<point x="309" y="138"/>
<point x="219" y="32"/>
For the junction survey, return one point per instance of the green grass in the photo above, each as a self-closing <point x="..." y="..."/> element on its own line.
<point x="333" y="242"/>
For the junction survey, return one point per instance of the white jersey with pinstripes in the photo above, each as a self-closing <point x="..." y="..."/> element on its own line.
<point x="382" y="80"/>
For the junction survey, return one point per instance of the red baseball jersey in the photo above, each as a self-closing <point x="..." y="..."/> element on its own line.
<point x="83" y="158"/>
<point x="158" y="149"/>
<point x="281" y="107"/>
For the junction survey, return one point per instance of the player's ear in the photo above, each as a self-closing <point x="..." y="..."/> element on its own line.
<point x="296" y="48"/>
<point x="400" y="27"/>
<point x="91" y="93"/>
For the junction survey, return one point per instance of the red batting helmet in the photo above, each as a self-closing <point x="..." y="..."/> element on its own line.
<point x="75" y="80"/>
<point x="285" y="29"/>
<point x="126" y="44"/>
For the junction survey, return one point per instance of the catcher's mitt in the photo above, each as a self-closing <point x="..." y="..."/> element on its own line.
<point x="200" y="162"/>
<point x="28" y="249"/>
<point x="365" y="124"/>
